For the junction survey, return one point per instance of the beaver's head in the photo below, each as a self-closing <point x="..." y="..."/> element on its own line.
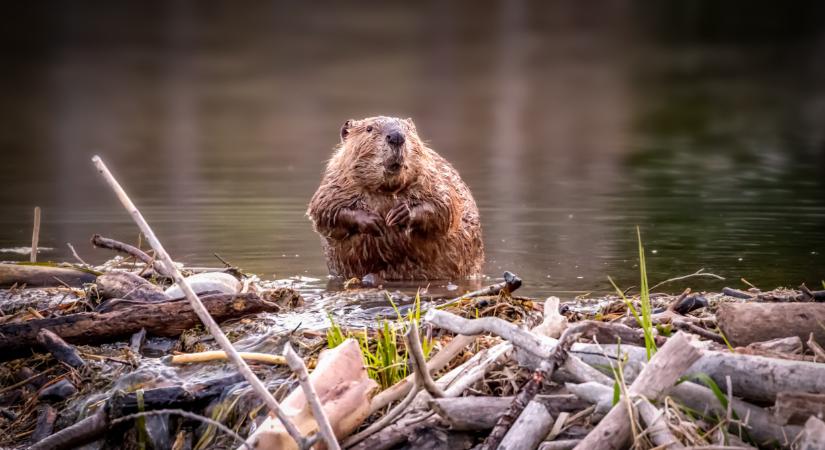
<point x="382" y="152"/>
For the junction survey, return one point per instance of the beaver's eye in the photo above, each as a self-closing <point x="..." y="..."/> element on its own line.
<point x="369" y="129"/>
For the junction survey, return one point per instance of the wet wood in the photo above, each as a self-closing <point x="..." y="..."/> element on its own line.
<point x="42" y="276"/>
<point x="160" y="319"/>
<point x="128" y="286"/>
<point x="61" y="351"/>
<point x="35" y="234"/>
<point x="744" y="323"/>
<point x="46" y="416"/>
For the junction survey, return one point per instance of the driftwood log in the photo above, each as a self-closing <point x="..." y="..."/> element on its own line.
<point x="481" y="412"/>
<point x="658" y="376"/>
<point x="43" y="276"/>
<point x="128" y="286"/>
<point x="744" y="323"/>
<point x="160" y="319"/>
<point x="752" y="377"/>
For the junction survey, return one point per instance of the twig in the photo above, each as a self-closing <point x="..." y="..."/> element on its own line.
<point x="122" y="247"/>
<point x="217" y="355"/>
<point x="819" y="353"/>
<point x="324" y="428"/>
<point x="699" y="273"/>
<point x="76" y="256"/>
<point x="419" y="363"/>
<point x="188" y="415"/>
<point x="511" y="283"/>
<point x="691" y="328"/>
<point x="26" y="381"/>
<point x="35" y="233"/>
<point x="197" y="306"/>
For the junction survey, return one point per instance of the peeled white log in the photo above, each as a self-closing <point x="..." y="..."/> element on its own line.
<point x="221" y="282"/>
<point x="343" y="387"/>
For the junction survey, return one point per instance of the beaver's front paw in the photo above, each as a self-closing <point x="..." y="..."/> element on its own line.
<point x="400" y="215"/>
<point x="353" y="221"/>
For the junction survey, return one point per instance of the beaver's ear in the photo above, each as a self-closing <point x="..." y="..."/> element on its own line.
<point x="410" y="123"/>
<point x="345" y="128"/>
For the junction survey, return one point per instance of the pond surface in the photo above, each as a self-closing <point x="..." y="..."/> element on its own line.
<point x="572" y="125"/>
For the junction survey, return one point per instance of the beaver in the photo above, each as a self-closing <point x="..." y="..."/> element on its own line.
<point x="392" y="207"/>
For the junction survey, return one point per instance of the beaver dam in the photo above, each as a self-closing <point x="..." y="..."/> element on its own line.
<point x="143" y="352"/>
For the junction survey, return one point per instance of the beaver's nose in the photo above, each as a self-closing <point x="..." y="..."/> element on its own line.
<point x="395" y="138"/>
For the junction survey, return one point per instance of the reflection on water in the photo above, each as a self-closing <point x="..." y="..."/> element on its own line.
<point x="571" y="123"/>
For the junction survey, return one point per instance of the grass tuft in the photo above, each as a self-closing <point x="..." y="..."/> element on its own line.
<point x="385" y="359"/>
<point x="644" y="319"/>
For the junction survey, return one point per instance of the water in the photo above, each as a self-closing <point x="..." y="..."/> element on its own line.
<point x="572" y="124"/>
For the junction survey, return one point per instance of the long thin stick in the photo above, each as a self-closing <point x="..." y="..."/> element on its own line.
<point x="35" y="233"/>
<point x="297" y="365"/>
<point x="197" y="306"/>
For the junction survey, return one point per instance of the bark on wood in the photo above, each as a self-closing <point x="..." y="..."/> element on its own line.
<point x="129" y="286"/>
<point x="61" y="351"/>
<point x="481" y="413"/>
<point x="161" y="319"/>
<point x="795" y="407"/>
<point x="76" y="434"/>
<point x="613" y="432"/>
<point x="46" y="415"/>
<point x="753" y="377"/>
<point x="529" y="429"/>
<point x="744" y="323"/>
<point x="396" y="434"/>
<point x="342" y="384"/>
<point x="112" y="244"/>
<point x="42" y="276"/>
<point x="122" y="404"/>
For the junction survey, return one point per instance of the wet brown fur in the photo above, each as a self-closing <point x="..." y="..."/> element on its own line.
<point x="357" y="199"/>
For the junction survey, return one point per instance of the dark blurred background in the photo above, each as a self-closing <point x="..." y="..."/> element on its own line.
<point x="701" y="121"/>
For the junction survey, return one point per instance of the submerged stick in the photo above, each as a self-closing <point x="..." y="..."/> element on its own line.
<point x="35" y="233"/>
<point x="197" y="306"/>
<point x="324" y="428"/>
